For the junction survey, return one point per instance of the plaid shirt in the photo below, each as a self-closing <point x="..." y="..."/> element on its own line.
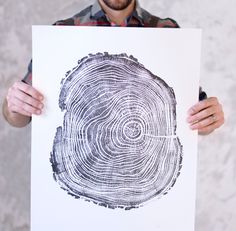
<point x="93" y="15"/>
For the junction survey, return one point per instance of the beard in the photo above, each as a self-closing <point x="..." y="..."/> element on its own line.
<point x="117" y="4"/>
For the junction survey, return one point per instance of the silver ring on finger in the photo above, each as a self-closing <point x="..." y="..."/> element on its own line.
<point x="213" y="118"/>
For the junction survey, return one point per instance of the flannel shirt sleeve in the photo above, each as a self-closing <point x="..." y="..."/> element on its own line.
<point x="28" y="77"/>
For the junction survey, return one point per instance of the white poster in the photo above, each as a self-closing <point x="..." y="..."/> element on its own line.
<point x="113" y="150"/>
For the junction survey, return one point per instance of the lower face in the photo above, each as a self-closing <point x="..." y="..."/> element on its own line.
<point x="117" y="4"/>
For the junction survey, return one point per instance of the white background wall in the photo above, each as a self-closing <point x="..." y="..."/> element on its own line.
<point x="216" y="186"/>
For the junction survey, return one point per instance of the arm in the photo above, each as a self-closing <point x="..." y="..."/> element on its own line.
<point x="21" y="102"/>
<point x="206" y="116"/>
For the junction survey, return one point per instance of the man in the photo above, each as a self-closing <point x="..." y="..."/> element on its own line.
<point x="23" y="100"/>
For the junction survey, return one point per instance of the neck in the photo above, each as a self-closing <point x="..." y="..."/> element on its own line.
<point x="117" y="16"/>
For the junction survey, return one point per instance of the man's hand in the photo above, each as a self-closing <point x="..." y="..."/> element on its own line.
<point x="21" y="102"/>
<point x="206" y="116"/>
<point x="24" y="99"/>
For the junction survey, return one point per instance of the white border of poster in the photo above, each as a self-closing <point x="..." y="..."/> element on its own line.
<point x="172" y="54"/>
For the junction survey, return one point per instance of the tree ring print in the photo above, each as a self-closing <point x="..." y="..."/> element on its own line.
<point x="117" y="146"/>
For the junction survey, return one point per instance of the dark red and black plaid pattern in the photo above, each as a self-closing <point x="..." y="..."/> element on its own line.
<point x="95" y="16"/>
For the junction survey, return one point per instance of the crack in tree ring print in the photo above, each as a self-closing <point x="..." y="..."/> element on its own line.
<point x="117" y="146"/>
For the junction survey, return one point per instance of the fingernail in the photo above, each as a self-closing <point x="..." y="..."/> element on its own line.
<point x="193" y="126"/>
<point x="190" y="111"/>
<point x="188" y="119"/>
<point x="38" y="112"/>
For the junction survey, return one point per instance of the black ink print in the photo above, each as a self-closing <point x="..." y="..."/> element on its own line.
<point x="117" y="146"/>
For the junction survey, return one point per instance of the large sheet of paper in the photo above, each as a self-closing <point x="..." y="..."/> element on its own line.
<point x="113" y="150"/>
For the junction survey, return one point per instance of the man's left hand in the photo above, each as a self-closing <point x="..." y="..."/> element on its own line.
<point x="206" y="116"/>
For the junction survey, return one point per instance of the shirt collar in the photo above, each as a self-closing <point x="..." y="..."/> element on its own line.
<point x="97" y="12"/>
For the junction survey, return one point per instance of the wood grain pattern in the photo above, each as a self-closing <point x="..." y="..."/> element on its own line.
<point x="117" y="146"/>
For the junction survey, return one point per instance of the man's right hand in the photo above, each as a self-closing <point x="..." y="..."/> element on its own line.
<point x="22" y="101"/>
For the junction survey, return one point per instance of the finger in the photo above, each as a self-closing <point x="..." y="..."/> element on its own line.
<point x="203" y="123"/>
<point x="28" y="90"/>
<point x="210" y="128"/>
<point x="216" y="120"/>
<point x="19" y="110"/>
<point x="16" y="104"/>
<point x="202" y="105"/>
<point x="28" y="99"/>
<point x="203" y="114"/>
